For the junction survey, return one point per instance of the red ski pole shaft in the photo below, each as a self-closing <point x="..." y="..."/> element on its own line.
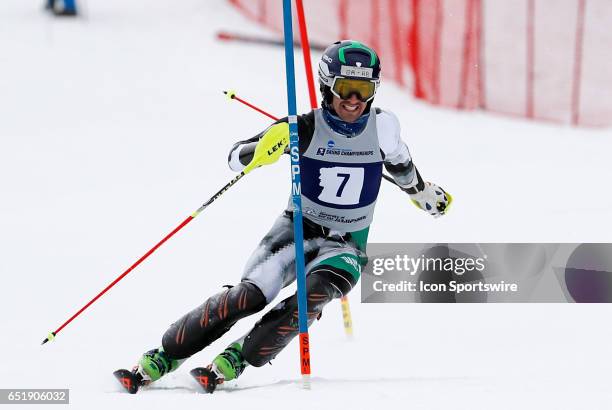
<point x="232" y="96"/>
<point x="52" y="335"/>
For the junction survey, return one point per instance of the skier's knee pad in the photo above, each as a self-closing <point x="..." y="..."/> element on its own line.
<point x="206" y="323"/>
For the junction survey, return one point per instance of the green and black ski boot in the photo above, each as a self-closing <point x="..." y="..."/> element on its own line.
<point x="227" y="366"/>
<point x="151" y="367"/>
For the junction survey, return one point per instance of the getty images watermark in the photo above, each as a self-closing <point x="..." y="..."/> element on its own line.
<point x="453" y="266"/>
<point x="516" y="272"/>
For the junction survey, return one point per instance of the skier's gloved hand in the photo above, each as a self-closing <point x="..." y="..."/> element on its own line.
<point x="432" y="199"/>
<point x="270" y="147"/>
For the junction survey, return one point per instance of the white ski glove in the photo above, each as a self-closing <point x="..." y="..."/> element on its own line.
<point x="432" y="199"/>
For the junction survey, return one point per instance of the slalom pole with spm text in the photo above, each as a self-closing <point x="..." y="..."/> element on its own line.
<point x="190" y="218"/>
<point x="298" y="234"/>
<point x="305" y="42"/>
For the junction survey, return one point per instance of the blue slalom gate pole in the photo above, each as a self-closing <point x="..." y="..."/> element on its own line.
<point x="296" y="196"/>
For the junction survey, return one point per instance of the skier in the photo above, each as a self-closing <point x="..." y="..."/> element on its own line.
<point x="62" y="7"/>
<point x="343" y="147"/>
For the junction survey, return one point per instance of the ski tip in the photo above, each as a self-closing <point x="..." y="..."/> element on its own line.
<point x="128" y="380"/>
<point x="205" y="378"/>
<point x="231" y="94"/>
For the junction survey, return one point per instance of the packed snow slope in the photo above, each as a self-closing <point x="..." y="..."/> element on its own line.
<point x="113" y="129"/>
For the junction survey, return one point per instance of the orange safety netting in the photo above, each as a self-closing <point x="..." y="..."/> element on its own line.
<point x="543" y="59"/>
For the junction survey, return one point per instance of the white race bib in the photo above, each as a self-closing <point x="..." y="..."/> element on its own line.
<point x="341" y="185"/>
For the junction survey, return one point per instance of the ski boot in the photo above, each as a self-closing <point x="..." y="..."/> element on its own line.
<point x="151" y="367"/>
<point x="225" y="367"/>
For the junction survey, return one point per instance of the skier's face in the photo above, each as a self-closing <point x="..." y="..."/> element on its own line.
<point x="348" y="110"/>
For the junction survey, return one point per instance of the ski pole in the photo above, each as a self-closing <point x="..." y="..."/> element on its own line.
<point x="52" y="335"/>
<point x="232" y="96"/>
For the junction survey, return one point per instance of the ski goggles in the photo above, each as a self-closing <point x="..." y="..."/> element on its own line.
<point x="343" y="88"/>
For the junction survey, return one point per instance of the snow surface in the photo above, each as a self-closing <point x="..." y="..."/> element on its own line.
<point x="113" y="129"/>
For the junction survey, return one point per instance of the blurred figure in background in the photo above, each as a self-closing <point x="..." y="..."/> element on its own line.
<point x="62" y="7"/>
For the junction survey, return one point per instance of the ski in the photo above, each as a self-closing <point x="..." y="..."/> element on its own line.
<point x="129" y="380"/>
<point x="206" y="378"/>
